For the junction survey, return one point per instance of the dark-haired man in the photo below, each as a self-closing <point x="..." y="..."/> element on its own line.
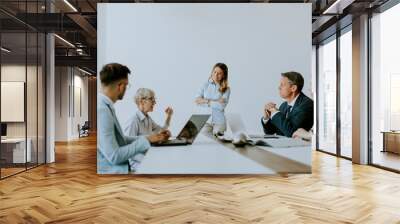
<point x="114" y="148"/>
<point x="296" y="112"/>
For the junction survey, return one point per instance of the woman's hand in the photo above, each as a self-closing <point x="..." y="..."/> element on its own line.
<point x="162" y="136"/>
<point x="201" y="100"/>
<point x="169" y="111"/>
<point x="221" y="100"/>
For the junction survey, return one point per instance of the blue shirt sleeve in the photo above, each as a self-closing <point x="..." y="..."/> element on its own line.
<point x="108" y="144"/>
<point x="201" y="91"/>
<point x="221" y="106"/>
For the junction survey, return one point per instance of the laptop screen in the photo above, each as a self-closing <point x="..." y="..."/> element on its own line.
<point x="193" y="127"/>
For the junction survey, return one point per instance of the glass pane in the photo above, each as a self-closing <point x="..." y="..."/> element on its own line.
<point x="13" y="85"/>
<point x="31" y="98"/>
<point x="385" y="86"/>
<point x="313" y="88"/>
<point x="346" y="94"/>
<point x="327" y="96"/>
<point x="41" y="98"/>
<point x="23" y="87"/>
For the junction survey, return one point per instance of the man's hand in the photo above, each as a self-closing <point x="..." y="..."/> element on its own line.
<point x="160" y="137"/>
<point x="302" y="134"/>
<point x="267" y="114"/>
<point x="271" y="107"/>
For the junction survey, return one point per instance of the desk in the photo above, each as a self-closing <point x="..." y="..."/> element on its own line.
<point x="209" y="156"/>
<point x="13" y="150"/>
<point x="391" y="141"/>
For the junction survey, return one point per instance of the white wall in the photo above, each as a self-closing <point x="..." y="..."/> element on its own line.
<point x="67" y="117"/>
<point x="17" y="73"/>
<point x="61" y="103"/>
<point x="80" y="103"/>
<point x="171" y="48"/>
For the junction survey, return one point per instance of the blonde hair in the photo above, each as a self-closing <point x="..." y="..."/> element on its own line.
<point x="143" y="93"/>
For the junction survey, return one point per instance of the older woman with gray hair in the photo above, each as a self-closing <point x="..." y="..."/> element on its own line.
<point x="141" y="123"/>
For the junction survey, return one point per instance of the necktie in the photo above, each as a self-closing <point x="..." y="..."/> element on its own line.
<point x="288" y="110"/>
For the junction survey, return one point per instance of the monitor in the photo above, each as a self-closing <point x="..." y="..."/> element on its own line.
<point x="3" y="129"/>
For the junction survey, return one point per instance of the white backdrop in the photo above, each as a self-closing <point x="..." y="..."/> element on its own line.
<point x="171" y="49"/>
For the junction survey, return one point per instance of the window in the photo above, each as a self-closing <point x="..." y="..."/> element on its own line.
<point x="327" y="96"/>
<point x="385" y="89"/>
<point x="22" y="77"/>
<point x="346" y="93"/>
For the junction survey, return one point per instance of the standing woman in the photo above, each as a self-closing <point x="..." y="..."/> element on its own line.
<point x="215" y="95"/>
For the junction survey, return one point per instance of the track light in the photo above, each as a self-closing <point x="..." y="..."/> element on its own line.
<point x="70" y="5"/>
<point x="337" y="7"/>
<point x="64" y="40"/>
<point x="84" y="71"/>
<point x="5" y="50"/>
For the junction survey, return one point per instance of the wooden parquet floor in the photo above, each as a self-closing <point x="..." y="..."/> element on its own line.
<point x="70" y="191"/>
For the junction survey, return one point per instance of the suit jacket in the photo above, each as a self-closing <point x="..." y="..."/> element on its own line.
<point x="301" y="116"/>
<point x="113" y="147"/>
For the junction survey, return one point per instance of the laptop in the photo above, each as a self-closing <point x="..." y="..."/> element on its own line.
<point x="239" y="133"/>
<point x="275" y="141"/>
<point x="189" y="132"/>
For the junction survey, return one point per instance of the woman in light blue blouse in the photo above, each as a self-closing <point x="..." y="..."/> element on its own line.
<point x="215" y="95"/>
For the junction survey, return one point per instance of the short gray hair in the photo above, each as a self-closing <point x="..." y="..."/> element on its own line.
<point x="143" y="93"/>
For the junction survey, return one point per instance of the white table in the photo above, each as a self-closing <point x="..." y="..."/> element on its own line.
<point x="209" y="156"/>
<point x="19" y="154"/>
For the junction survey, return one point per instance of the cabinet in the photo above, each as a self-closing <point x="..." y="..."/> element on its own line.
<point x="391" y="141"/>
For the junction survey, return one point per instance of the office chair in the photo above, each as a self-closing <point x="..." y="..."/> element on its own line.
<point x="84" y="130"/>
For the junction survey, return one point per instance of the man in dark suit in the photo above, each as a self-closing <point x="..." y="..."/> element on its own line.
<point x="296" y="112"/>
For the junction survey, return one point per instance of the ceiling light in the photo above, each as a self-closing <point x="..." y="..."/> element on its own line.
<point x="70" y="5"/>
<point x="338" y="6"/>
<point x="65" y="41"/>
<point x="5" y="50"/>
<point x="84" y="71"/>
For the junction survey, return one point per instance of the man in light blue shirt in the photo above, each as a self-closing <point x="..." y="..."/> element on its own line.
<point x="114" y="148"/>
